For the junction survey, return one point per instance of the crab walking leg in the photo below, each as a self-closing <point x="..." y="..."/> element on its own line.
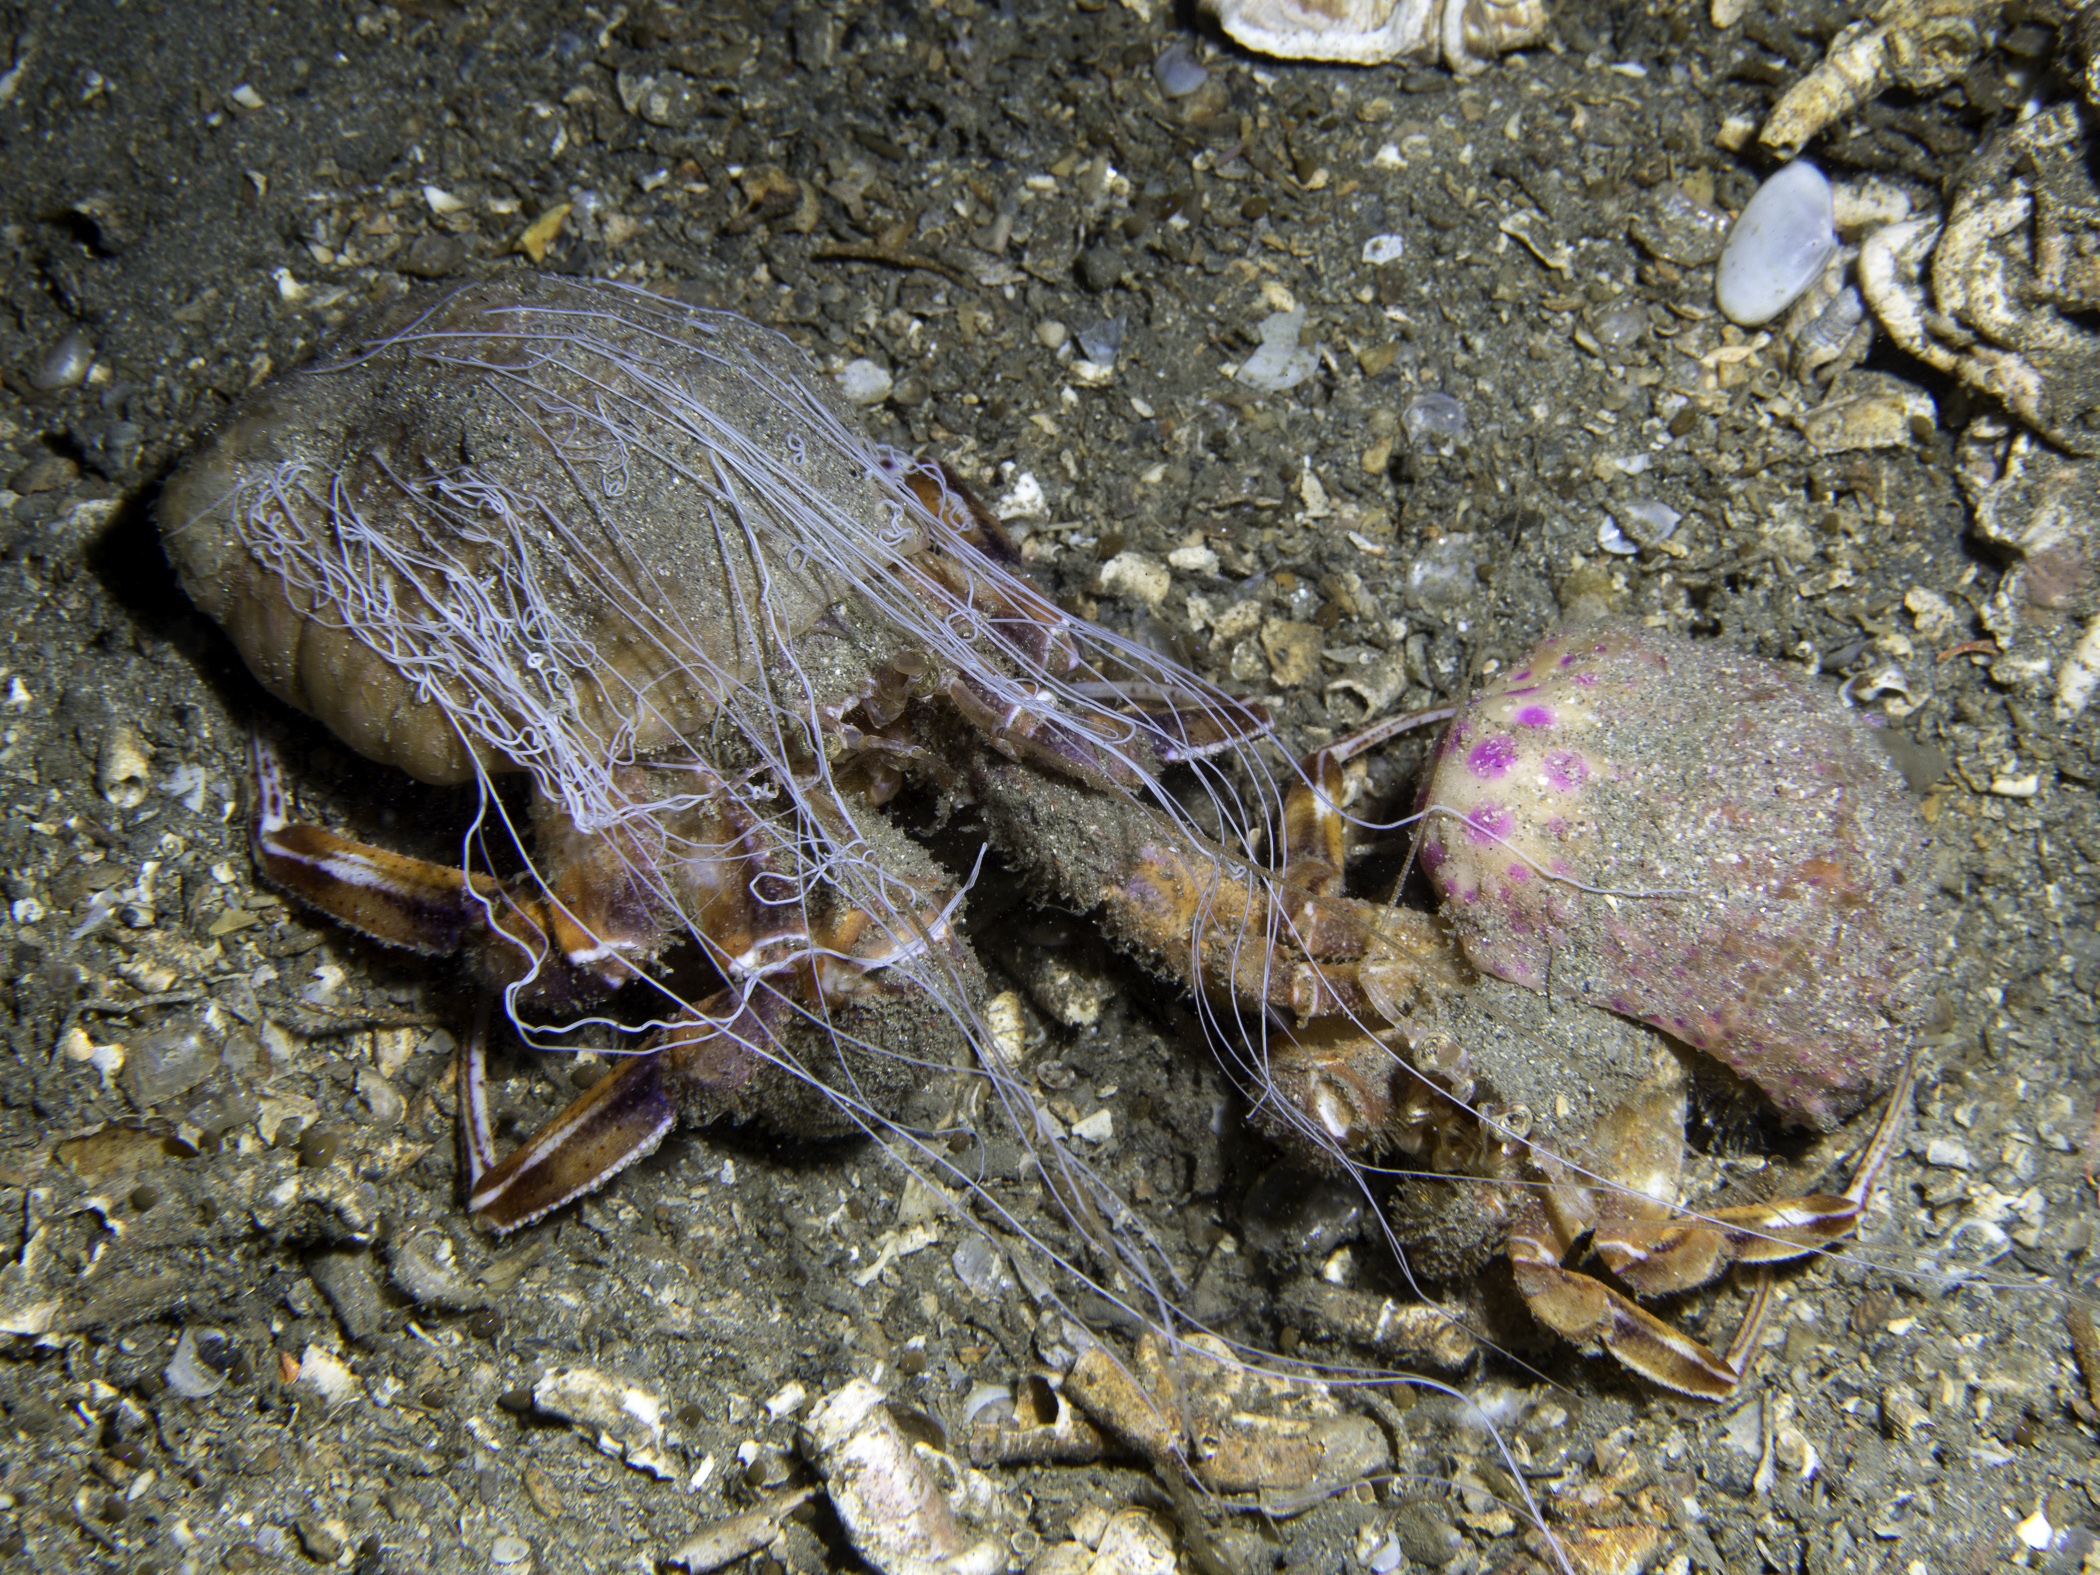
<point x="627" y="1113"/>
<point x="395" y="899"/>
<point x="1656" y="1258"/>
<point x="436" y="909"/>
<point x="477" y="1140"/>
<point x="1660" y="1256"/>
<point x="692" y="1071"/>
<point x="1208" y="914"/>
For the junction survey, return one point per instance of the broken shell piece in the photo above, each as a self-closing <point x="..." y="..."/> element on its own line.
<point x="1414" y="1331"/>
<point x="723" y="1542"/>
<point x="322" y="1375"/>
<point x="1630" y="527"/>
<point x="628" y="1419"/>
<point x="426" y="1265"/>
<point x="1281" y="362"/>
<point x="1135" y="1542"/>
<point x="1036" y="1423"/>
<point x="2079" y="677"/>
<point x="1866" y="204"/>
<point x="1245" y="1431"/>
<point x="1778" y="247"/>
<point x="1869" y="410"/>
<point x="1917" y="45"/>
<point x="1891" y="685"/>
<point x="2039" y="506"/>
<point x="198" y="1369"/>
<point x="885" y="1493"/>
<point x="1369" y="32"/>
<point x="124" y="766"/>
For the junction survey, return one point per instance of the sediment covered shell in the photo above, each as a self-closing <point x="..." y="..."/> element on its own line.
<point x="1697" y="839"/>
<point x="538" y="505"/>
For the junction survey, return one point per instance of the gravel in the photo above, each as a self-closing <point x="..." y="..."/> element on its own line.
<point x="244" y="1323"/>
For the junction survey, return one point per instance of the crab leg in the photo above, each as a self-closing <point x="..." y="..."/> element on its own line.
<point x="691" y="1071"/>
<point x="627" y="1113"/>
<point x="395" y="899"/>
<point x="1674" y="1255"/>
<point x="580" y="937"/>
<point x="434" y="909"/>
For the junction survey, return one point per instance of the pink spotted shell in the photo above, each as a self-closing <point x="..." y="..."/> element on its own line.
<point x="1796" y="940"/>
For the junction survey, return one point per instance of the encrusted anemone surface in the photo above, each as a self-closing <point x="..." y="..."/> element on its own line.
<point x="1697" y="839"/>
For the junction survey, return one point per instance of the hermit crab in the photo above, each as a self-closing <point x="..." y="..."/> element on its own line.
<point x="638" y="552"/>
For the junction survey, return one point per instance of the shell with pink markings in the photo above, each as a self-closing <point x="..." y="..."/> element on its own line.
<point x="1698" y="839"/>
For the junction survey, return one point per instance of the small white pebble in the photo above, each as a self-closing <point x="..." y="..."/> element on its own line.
<point x="66" y="364"/>
<point x="1948" y="1152"/>
<point x="1135" y="578"/>
<point x="864" y="383"/>
<point x="1777" y="247"/>
<point x="1178" y="72"/>
<point x="1025" y="499"/>
<point x="246" y="97"/>
<point x="325" y="1376"/>
<point x="1096" y="1128"/>
<point x="787" y="1400"/>
<point x="2035" y="1531"/>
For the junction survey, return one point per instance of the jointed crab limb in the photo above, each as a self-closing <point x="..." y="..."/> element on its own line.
<point x="792" y="965"/>
<point x="401" y="901"/>
<point x="1237" y="932"/>
<point x="1656" y="1255"/>
<point x="622" y="1117"/>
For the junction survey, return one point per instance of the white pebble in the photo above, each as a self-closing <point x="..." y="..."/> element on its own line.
<point x="1780" y="243"/>
<point x="1025" y="500"/>
<point x="66" y="364"/>
<point x="1281" y="362"/>
<point x="324" y="1376"/>
<point x="1195" y="559"/>
<point x="1134" y="578"/>
<point x="1178" y="72"/>
<point x="1382" y="249"/>
<point x="864" y="383"/>
<point x="1096" y="1128"/>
